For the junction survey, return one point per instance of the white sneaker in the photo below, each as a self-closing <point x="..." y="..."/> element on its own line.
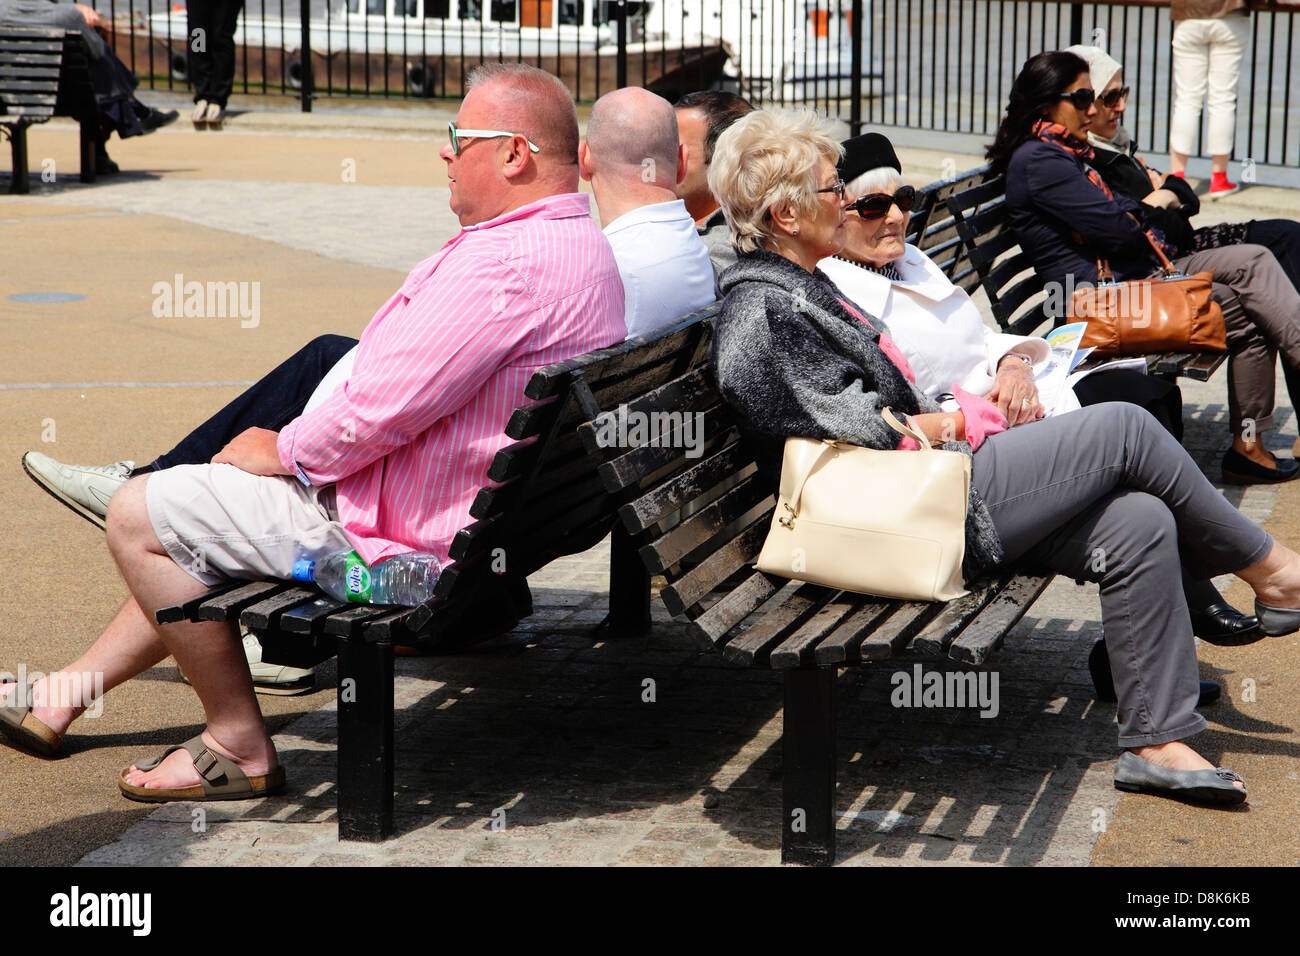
<point x="277" y="679"/>
<point x="200" y="115"/>
<point x="214" y="115"/>
<point x="86" y="489"/>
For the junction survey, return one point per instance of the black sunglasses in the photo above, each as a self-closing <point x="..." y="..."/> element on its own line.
<point x="1111" y="99"/>
<point x="1081" y="99"/>
<point x="876" y="205"/>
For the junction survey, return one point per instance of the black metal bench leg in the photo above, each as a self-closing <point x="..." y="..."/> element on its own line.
<point x="89" y="139"/>
<point x="808" y="755"/>
<point x="629" y="587"/>
<point x="365" y="753"/>
<point x="20" y="184"/>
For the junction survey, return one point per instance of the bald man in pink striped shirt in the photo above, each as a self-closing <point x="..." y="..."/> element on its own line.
<point x="391" y="462"/>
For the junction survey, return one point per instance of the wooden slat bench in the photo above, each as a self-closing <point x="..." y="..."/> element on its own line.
<point x="545" y="500"/>
<point x="805" y="632"/>
<point x="996" y="263"/>
<point x="45" y="72"/>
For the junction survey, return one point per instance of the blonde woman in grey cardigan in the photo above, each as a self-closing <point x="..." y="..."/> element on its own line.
<point x="1104" y="494"/>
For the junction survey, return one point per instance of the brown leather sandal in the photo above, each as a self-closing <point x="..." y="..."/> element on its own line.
<point x="219" y="778"/>
<point x="21" y="730"/>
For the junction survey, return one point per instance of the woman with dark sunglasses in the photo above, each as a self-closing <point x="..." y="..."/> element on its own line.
<point x="1067" y="217"/>
<point x="1115" y="157"/>
<point x="952" y="350"/>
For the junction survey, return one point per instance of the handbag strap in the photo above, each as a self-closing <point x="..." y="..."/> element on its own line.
<point x="801" y="479"/>
<point x="1166" y="267"/>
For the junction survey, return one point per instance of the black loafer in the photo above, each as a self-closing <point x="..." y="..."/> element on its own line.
<point x="1224" y="625"/>
<point x="1240" y="470"/>
<point x="1099" y="668"/>
<point x="154" y="119"/>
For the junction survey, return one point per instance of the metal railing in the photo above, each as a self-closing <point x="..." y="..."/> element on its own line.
<point x="939" y="66"/>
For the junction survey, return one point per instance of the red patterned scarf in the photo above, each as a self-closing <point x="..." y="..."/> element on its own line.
<point x="1058" y="135"/>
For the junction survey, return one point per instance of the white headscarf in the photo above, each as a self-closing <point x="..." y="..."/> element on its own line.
<point x="1102" y="68"/>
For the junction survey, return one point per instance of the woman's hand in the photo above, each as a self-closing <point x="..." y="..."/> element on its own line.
<point x="1161" y="199"/>
<point x="1157" y="178"/>
<point x="1015" y="394"/>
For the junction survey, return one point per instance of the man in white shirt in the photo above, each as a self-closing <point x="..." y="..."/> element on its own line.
<point x="634" y="162"/>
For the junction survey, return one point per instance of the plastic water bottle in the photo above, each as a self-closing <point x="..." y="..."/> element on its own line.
<point x="406" y="579"/>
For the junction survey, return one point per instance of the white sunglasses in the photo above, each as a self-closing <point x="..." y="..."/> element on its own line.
<point x="458" y="134"/>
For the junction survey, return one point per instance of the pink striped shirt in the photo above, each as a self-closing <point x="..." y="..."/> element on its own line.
<point x="408" y="439"/>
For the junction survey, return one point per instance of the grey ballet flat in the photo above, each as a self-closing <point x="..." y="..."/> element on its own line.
<point x="1276" y="621"/>
<point x="1135" y="775"/>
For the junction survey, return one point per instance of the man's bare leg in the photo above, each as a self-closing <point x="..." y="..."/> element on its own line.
<point x="209" y="653"/>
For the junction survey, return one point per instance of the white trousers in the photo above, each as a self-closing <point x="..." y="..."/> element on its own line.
<point x="1207" y="60"/>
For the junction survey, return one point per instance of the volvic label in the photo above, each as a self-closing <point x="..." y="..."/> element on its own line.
<point x="357" y="579"/>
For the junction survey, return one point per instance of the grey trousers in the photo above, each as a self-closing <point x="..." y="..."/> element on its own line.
<point x="1271" y="325"/>
<point x="1105" y="494"/>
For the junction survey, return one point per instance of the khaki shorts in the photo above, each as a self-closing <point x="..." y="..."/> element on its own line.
<point x="218" y="522"/>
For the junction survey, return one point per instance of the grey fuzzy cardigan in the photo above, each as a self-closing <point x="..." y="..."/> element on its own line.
<point x="792" y="361"/>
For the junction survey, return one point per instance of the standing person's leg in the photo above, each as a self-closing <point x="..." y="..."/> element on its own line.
<point x="1191" y="66"/>
<point x="225" y="21"/>
<point x="272" y="402"/>
<point x="199" y="28"/>
<point x="1229" y="38"/>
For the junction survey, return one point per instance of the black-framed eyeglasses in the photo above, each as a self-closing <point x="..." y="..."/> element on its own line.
<point x="458" y="135"/>
<point x="1112" y="98"/>
<point x="876" y="205"/>
<point x="837" y="189"/>
<point x="1081" y="99"/>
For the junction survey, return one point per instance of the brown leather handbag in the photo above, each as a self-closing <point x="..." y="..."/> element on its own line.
<point x="1171" y="312"/>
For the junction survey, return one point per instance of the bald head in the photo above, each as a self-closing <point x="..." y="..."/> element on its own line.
<point x="627" y="128"/>
<point x="524" y="99"/>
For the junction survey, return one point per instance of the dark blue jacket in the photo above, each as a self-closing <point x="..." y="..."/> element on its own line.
<point x="1049" y="198"/>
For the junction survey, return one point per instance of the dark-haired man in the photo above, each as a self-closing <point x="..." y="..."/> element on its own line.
<point x="701" y="119"/>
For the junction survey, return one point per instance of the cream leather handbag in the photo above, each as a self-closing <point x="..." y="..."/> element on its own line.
<point x="889" y="523"/>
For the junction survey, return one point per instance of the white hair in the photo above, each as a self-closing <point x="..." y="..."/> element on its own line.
<point x="873" y="181"/>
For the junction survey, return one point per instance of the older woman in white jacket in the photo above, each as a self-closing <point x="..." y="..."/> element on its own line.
<point x="949" y="346"/>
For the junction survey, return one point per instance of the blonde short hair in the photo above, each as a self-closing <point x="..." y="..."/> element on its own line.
<point x="766" y="158"/>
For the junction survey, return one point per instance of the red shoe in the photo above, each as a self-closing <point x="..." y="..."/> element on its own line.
<point x="1180" y="174"/>
<point x="1220" y="187"/>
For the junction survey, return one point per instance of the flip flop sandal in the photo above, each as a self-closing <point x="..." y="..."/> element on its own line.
<point x="23" y="731"/>
<point x="219" y="778"/>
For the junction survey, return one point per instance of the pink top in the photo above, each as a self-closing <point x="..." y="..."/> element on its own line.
<point x="408" y="439"/>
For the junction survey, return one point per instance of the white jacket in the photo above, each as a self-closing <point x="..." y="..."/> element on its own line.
<point x="934" y="323"/>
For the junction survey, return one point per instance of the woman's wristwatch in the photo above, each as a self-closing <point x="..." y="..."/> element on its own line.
<point x="1016" y="355"/>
